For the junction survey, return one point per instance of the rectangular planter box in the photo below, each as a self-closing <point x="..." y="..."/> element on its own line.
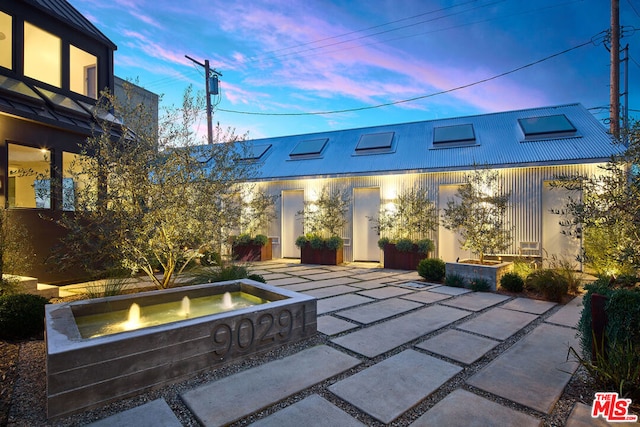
<point x="253" y="252"/>
<point x="324" y="256"/>
<point x="491" y="273"/>
<point x="398" y="260"/>
<point x="84" y="373"/>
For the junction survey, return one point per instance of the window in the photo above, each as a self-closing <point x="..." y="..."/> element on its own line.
<point x="83" y="68"/>
<point x="42" y="55"/>
<point x="79" y="189"/>
<point x="547" y="127"/>
<point x="6" y="41"/>
<point x="255" y="152"/>
<point x="311" y="147"/>
<point x="453" y="136"/>
<point x="375" y="143"/>
<point x="29" y="177"/>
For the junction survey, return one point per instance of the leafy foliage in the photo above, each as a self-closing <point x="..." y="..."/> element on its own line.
<point x="478" y="284"/>
<point x="15" y="251"/>
<point x="605" y="211"/>
<point x="21" y="316"/>
<point x="548" y="282"/>
<point x="512" y="282"/>
<point x="455" y="280"/>
<point x="616" y="365"/>
<point x="154" y="201"/>
<point x="411" y="216"/>
<point x="318" y="242"/>
<point x="217" y="274"/>
<point x="479" y="214"/>
<point x="404" y="245"/>
<point x="257" y="278"/>
<point x="432" y="269"/>
<point x="327" y="215"/>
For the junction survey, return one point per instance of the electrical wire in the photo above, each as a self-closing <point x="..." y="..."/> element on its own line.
<point x="417" y="98"/>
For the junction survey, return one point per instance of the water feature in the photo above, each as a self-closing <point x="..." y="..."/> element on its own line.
<point x="137" y="316"/>
<point x="87" y="370"/>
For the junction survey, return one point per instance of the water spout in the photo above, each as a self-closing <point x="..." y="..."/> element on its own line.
<point x="227" y="304"/>
<point x="186" y="306"/>
<point x="133" y="321"/>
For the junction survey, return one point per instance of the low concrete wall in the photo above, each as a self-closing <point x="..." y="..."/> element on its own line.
<point x="491" y="273"/>
<point x="86" y="373"/>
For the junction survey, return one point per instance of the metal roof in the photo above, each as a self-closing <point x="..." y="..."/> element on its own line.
<point x="68" y="14"/>
<point x="499" y="142"/>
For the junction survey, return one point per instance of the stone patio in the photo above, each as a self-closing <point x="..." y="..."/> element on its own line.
<point x="396" y="352"/>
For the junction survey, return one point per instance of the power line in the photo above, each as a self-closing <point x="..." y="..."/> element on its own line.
<point x="417" y="98"/>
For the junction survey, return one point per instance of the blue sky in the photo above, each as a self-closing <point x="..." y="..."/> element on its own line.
<point x="282" y="59"/>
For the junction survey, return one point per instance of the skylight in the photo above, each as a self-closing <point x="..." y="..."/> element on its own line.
<point x="453" y="135"/>
<point x="61" y="101"/>
<point x="375" y="142"/>
<point x="20" y="89"/>
<point x="310" y="147"/>
<point x="546" y="126"/>
<point x="255" y="152"/>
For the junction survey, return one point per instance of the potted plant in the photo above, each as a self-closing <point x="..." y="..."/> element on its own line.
<point x="257" y="211"/>
<point x="405" y="224"/>
<point x="323" y="220"/>
<point x="479" y="217"/>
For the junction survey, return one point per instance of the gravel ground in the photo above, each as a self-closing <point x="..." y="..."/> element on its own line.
<point x="23" y="390"/>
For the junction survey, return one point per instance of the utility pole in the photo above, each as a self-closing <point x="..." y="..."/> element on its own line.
<point x="614" y="91"/>
<point x="211" y="88"/>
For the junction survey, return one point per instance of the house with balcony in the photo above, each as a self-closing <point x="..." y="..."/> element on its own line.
<point x="53" y="65"/>
<point x="529" y="148"/>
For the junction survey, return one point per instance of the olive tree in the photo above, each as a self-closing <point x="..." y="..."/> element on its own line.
<point x="479" y="213"/>
<point x="152" y="201"/>
<point x="605" y="212"/>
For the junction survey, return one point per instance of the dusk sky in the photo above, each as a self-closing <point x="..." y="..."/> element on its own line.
<point x="282" y="59"/>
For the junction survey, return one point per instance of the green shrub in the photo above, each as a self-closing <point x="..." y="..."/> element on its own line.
<point x="217" y="274"/>
<point x="9" y="286"/>
<point x="210" y="258"/>
<point x="302" y="240"/>
<point x="21" y="316"/>
<point x="616" y="366"/>
<point x="242" y="239"/>
<point x="523" y="267"/>
<point x="552" y="285"/>
<point x="479" y="284"/>
<point x="316" y="242"/>
<point x="425" y="246"/>
<point x="257" y="278"/>
<point x="334" y="242"/>
<point x="455" y="280"/>
<point x="404" y="245"/>
<point x="260" y="239"/>
<point x="432" y="269"/>
<point x="512" y="282"/>
<point x="383" y="241"/>
<point x="112" y="286"/>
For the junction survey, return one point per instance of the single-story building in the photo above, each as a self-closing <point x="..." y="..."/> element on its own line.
<point x="529" y="148"/>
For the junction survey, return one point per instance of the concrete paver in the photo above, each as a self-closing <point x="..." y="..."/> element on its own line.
<point x="389" y="388"/>
<point x="379" y="310"/>
<point x="378" y="275"/>
<point x="529" y="305"/>
<point x="340" y="302"/>
<point x="426" y="297"/>
<point x="379" y="339"/>
<point x="449" y="290"/>
<point x="316" y="284"/>
<point x="368" y="284"/>
<point x="153" y="414"/>
<point x="331" y="291"/>
<point x="464" y="409"/>
<point x="476" y="301"/>
<point x="286" y="281"/>
<point x="534" y="371"/>
<point x="331" y="275"/>
<point x="330" y="325"/>
<point x="311" y="411"/>
<point x="569" y="315"/>
<point x="458" y="345"/>
<point x="581" y="417"/>
<point x="498" y="323"/>
<point x="274" y="276"/>
<point x="386" y="292"/>
<point x="231" y="398"/>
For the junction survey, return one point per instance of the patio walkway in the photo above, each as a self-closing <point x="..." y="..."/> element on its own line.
<point x="403" y="352"/>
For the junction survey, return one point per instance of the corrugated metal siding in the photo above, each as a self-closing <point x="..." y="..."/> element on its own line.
<point x="525" y="184"/>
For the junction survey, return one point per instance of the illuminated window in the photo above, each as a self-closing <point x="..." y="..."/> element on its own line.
<point x="6" y="40"/>
<point x="29" y="177"/>
<point x="83" y="68"/>
<point x="79" y="189"/>
<point x="42" y="55"/>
